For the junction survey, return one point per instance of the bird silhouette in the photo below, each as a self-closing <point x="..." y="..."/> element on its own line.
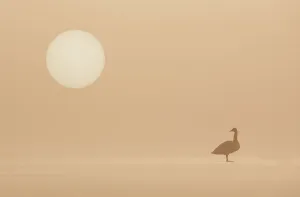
<point x="228" y="147"/>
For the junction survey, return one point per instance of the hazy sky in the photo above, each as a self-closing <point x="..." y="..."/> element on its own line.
<point x="179" y="75"/>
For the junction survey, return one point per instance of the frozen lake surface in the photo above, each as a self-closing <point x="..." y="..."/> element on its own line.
<point x="150" y="177"/>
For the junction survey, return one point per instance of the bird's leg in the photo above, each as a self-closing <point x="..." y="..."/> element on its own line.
<point x="227" y="160"/>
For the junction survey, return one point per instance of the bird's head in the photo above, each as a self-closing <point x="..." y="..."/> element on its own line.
<point x="233" y="130"/>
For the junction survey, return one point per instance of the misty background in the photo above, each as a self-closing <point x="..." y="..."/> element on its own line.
<point x="179" y="76"/>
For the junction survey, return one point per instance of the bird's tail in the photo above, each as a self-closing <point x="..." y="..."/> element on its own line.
<point x="215" y="152"/>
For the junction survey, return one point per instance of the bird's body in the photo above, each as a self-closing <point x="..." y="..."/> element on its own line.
<point x="228" y="147"/>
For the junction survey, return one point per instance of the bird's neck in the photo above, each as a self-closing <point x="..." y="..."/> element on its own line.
<point x="235" y="137"/>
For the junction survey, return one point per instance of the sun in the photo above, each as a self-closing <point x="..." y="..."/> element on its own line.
<point x="75" y="59"/>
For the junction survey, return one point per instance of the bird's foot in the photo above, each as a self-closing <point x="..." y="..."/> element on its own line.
<point x="229" y="161"/>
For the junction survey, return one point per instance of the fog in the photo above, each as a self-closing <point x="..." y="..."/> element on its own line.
<point x="179" y="75"/>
